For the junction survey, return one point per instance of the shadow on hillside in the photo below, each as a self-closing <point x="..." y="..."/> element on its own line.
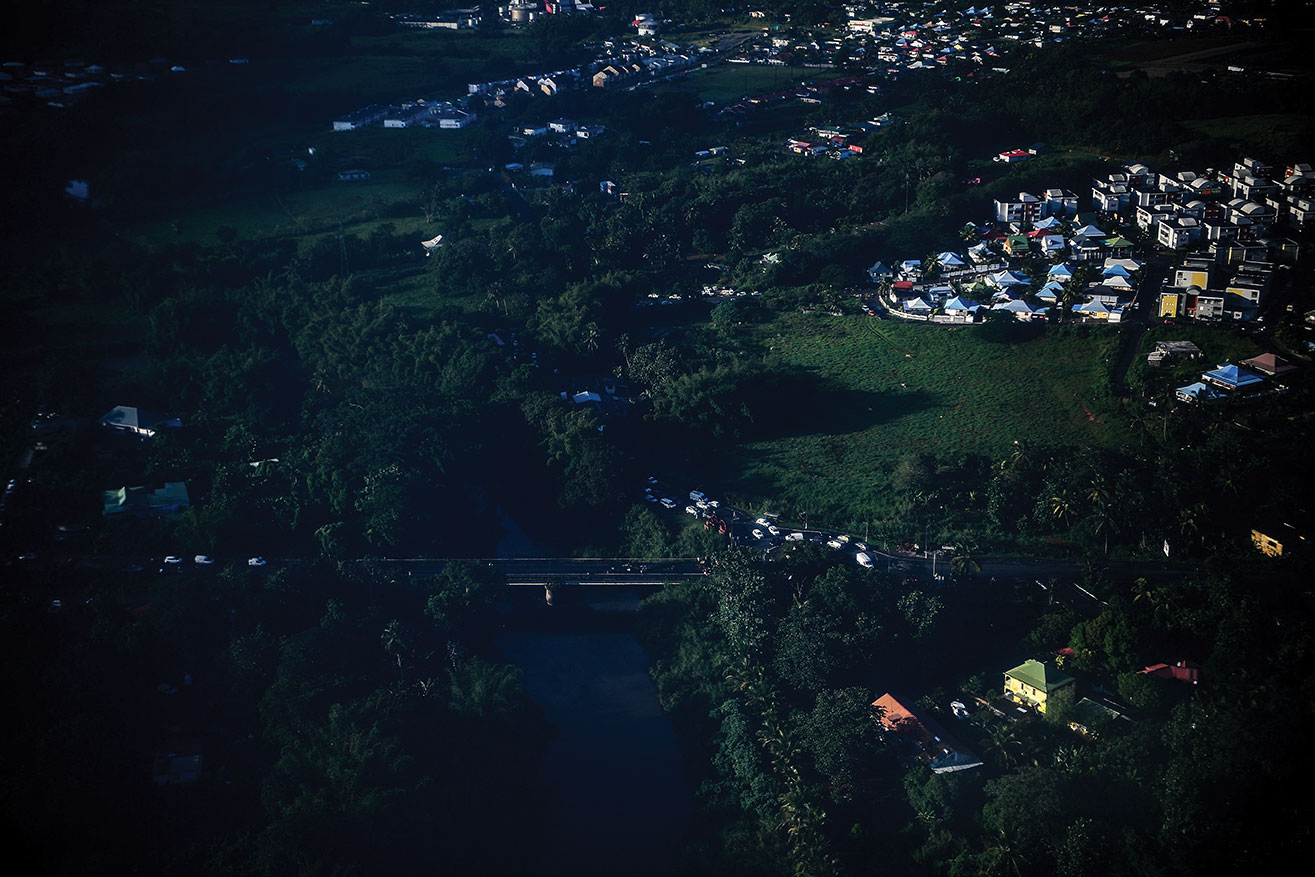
<point x="811" y="405"/>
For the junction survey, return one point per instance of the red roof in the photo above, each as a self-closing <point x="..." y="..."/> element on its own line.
<point x="1183" y="671"/>
<point x="1269" y="364"/>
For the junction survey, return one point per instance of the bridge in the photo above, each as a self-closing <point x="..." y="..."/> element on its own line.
<point x="617" y="572"/>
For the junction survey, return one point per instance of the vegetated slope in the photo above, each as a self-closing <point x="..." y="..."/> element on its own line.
<point x="912" y="389"/>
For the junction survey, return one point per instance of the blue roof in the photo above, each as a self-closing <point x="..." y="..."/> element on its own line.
<point x="959" y="303"/>
<point x="1199" y="390"/>
<point x="1233" y="376"/>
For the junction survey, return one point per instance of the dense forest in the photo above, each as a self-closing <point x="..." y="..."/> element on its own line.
<point x="768" y="670"/>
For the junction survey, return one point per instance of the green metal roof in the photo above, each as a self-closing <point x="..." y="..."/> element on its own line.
<point x="1039" y="676"/>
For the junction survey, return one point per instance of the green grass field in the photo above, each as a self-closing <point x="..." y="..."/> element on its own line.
<point x="901" y="389"/>
<point x="360" y="208"/>
<point x="1272" y="134"/>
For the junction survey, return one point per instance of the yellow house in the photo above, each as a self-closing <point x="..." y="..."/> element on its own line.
<point x="1266" y="545"/>
<point x="1170" y="304"/>
<point x="1035" y="684"/>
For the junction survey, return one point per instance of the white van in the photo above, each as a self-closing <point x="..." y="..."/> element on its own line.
<point x="794" y="537"/>
<point x="863" y="559"/>
<point x="697" y="495"/>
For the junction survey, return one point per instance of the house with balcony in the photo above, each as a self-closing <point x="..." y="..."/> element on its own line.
<point x="1040" y="686"/>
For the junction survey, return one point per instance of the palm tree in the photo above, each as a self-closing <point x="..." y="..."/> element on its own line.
<point x="964" y="562"/>
<point x="394" y="645"/>
<point x="1002" y="857"/>
<point x="1102" y="515"/>
<point x="1061" y="506"/>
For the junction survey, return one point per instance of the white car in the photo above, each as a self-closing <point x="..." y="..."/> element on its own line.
<point x="202" y="559"/>
<point x="773" y="529"/>
<point x="172" y="559"/>
<point x="757" y="534"/>
<point x="762" y="522"/>
<point x="863" y="560"/>
<point x="701" y="504"/>
<point x="667" y="502"/>
<point x="714" y="503"/>
<point x="256" y="561"/>
<point x="834" y="543"/>
<point x="861" y="546"/>
<point x="690" y="510"/>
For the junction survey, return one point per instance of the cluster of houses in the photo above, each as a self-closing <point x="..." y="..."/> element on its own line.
<point x="1228" y="220"/>
<point x="1232" y="236"/>
<point x="956" y="288"/>
<point x="1259" y="376"/>
<point x="896" y="36"/>
<point x="1032" y="688"/>
<point x="1212" y="209"/>
<point x="412" y="114"/>
<point x="834" y="142"/>
<point x="448" y="19"/>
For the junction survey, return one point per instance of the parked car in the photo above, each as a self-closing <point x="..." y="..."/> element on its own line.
<point x="648" y="497"/>
<point x="697" y="495"/>
<point x="256" y="561"/>
<point x="667" y="502"/>
<point x="691" y="510"/>
<point x="762" y="522"/>
<point x="863" y="559"/>
<point x="203" y="559"/>
<point x="834" y="543"/>
<point x="757" y="534"/>
<point x="796" y="536"/>
<point x="173" y="559"/>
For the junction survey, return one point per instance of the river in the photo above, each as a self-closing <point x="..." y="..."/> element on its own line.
<point x="619" y="797"/>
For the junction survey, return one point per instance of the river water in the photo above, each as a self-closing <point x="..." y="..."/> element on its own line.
<point x="619" y="798"/>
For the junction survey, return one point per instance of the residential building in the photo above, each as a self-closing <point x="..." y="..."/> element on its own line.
<point x="144" y="501"/>
<point x="1195" y="271"/>
<point x="922" y="739"/>
<point x="1270" y="365"/>
<point x="1230" y="378"/>
<point x="1183" y="671"/>
<point x="1038" y="685"/>
<point x="1090" y="716"/>
<point x="136" y="421"/>
<point x="362" y="118"/>
<point x="1027" y="208"/>
<point x="1177" y="232"/>
<point x="1061" y="203"/>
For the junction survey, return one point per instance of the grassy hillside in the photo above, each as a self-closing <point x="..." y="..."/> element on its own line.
<point x="900" y="389"/>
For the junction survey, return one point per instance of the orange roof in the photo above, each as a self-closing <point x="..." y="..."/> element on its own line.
<point x="894" y="711"/>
